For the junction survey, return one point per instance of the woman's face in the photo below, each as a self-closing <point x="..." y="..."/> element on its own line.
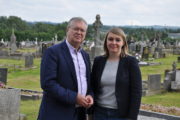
<point x="114" y="43"/>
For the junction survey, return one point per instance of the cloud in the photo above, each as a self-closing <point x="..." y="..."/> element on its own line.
<point x="114" y="12"/>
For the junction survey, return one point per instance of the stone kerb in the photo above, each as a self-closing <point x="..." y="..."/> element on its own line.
<point x="158" y="115"/>
<point x="9" y="104"/>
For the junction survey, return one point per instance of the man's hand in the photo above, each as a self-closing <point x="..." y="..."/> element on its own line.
<point x="81" y="100"/>
<point x="89" y="100"/>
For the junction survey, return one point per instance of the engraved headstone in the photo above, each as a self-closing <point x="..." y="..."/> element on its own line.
<point x="154" y="82"/>
<point x="9" y="104"/>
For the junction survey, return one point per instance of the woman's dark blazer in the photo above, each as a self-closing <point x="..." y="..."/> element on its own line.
<point x="128" y="87"/>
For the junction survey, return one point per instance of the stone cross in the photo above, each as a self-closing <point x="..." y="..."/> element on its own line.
<point x="97" y="24"/>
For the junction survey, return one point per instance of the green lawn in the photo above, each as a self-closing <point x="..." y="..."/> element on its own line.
<point x="30" y="79"/>
<point x="168" y="99"/>
<point x="30" y="108"/>
<point x="166" y="63"/>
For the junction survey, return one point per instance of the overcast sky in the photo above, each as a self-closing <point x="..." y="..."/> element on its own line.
<point x="112" y="12"/>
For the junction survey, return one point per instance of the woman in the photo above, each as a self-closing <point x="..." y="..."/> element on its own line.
<point x="116" y="80"/>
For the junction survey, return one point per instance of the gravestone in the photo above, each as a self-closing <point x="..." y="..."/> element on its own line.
<point x="154" y="82"/>
<point x="98" y="48"/>
<point x="29" y="60"/>
<point x="3" y="75"/>
<point x="178" y="59"/>
<point x="9" y="104"/>
<point x="169" y="77"/>
<point x="145" y="54"/>
<point x="132" y="47"/>
<point x="175" y="85"/>
<point x="138" y="48"/>
<point x="44" y="47"/>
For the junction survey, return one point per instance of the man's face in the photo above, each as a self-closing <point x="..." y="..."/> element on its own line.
<point x="76" y="33"/>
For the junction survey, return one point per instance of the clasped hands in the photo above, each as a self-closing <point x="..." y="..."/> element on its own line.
<point x="85" y="101"/>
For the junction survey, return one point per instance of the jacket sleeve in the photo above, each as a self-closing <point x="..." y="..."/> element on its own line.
<point x="49" y="70"/>
<point x="93" y="81"/>
<point x="135" y="88"/>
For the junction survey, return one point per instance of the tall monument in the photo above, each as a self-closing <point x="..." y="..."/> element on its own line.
<point x="12" y="43"/>
<point x="98" y="48"/>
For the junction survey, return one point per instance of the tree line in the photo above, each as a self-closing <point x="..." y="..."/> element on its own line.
<point x="46" y="31"/>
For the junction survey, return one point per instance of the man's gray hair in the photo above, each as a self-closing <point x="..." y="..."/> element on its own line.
<point x="74" y="19"/>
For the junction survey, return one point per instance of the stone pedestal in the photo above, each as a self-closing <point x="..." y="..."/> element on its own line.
<point x="9" y="104"/>
<point x="96" y="51"/>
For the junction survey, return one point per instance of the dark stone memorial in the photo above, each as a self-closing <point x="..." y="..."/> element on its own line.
<point x="3" y="75"/>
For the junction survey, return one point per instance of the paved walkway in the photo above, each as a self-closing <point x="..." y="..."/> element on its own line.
<point x="140" y="117"/>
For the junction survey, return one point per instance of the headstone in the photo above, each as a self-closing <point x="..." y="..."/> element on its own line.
<point x="145" y="54"/>
<point x="138" y="48"/>
<point x="3" y="75"/>
<point x="169" y="77"/>
<point x="9" y="104"/>
<point x="156" y="55"/>
<point x="44" y="47"/>
<point x="178" y="59"/>
<point x="132" y="47"/>
<point x="28" y="60"/>
<point x="175" y="85"/>
<point x="154" y="82"/>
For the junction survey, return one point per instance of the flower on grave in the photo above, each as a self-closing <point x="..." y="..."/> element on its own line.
<point x="2" y="85"/>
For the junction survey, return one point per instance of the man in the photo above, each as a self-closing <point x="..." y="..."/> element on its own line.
<point x="65" y="77"/>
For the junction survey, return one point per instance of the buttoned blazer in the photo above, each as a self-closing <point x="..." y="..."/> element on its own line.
<point x="128" y="86"/>
<point x="59" y="83"/>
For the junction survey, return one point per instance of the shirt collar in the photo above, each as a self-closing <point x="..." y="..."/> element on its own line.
<point x="72" y="49"/>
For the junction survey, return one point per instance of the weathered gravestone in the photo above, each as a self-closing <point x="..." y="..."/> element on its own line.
<point x="154" y="84"/>
<point x="175" y="85"/>
<point x="178" y="59"/>
<point x="28" y="60"/>
<point x="169" y="77"/>
<point x="145" y="54"/>
<point x="3" y="75"/>
<point x="9" y="104"/>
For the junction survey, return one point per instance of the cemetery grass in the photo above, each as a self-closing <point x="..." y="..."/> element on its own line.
<point x="166" y="64"/>
<point x="29" y="79"/>
<point x="20" y="77"/>
<point x="167" y="99"/>
<point x="26" y="50"/>
<point x="30" y="108"/>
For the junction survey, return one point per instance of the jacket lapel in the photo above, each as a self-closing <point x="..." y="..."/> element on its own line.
<point x="102" y="65"/>
<point x="69" y="60"/>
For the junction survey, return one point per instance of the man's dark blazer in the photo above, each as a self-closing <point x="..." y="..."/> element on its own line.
<point x="128" y="87"/>
<point x="59" y="83"/>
